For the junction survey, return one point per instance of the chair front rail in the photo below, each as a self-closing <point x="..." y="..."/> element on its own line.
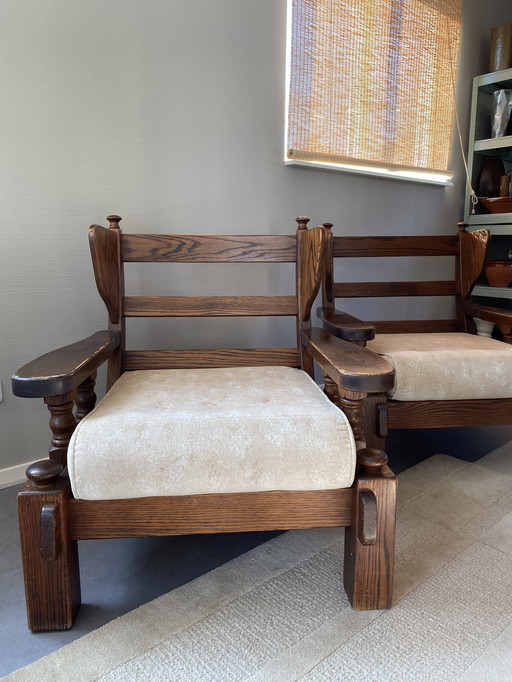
<point x="210" y="513"/>
<point x="447" y="413"/>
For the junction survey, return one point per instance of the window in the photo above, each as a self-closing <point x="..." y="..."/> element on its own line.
<point x="371" y="85"/>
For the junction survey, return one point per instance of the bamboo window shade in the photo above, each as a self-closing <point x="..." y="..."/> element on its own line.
<point x="372" y="84"/>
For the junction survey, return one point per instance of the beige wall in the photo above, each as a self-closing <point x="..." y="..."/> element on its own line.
<point x="170" y="113"/>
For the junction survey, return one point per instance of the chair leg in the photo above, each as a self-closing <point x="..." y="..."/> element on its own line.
<point x="370" y="543"/>
<point x="50" y="559"/>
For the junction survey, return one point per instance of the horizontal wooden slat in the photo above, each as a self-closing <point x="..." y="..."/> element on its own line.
<point x="222" y="513"/>
<point x="208" y="306"/>
<point x="415" y="326"/>
<point x="220" y="357"/>
<point x="382" y="289"/>
<point x="448" y="413"/>
<point x="182" y="248"/>
<point x="417" y="245"/>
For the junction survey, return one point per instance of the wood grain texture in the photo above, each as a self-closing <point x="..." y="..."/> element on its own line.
<point x="50" y="558"/>
<point x="63" y="370"/>
<point x="106" y="261"/>
<point x="489" y="313"/>
<point x="399" y="246"/>
<point x="51" y="531"/>
<point x="415" y="326"/>
<point x="345" y="326"/>
<point x="396" y="245"/>
<point x="311" y="261"/>
<point x="209" y="306"/>
<point x="109" y="273"/>
<point x="328" y="276"/>
<point x="352" y="404"/>
<point x="468" y="251"/>
<point x="473" y="251"/>
<point x="50" y="562"/>
<point x="184" y="248"/>
<point x="352" y="367"/>
<point x="221" y="513"/>
<point x="369" y="567"/>
<point x="85" y="399"/>
<point x="447" y="413"/>
<point x="219" y="357"/>
<point x="376" y="423"/>
<point x="392" y="289"/>
<point x="45" y="471"/>
<point x="62" y="424"/>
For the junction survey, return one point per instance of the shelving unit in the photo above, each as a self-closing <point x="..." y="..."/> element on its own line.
<point x="481" y="147"/>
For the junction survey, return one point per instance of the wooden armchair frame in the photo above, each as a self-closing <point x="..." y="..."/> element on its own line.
<point x="468" y="252"/>
<point x="52" y="521"/>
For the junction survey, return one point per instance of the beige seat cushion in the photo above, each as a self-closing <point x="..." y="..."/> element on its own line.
<point x="452" y="366"/>
<point x="179" y="432"/>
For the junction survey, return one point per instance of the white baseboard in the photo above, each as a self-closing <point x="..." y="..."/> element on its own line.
<point x="14" y="475"/>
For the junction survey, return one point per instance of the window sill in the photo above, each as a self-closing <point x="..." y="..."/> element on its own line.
<point x="441" y="180"/>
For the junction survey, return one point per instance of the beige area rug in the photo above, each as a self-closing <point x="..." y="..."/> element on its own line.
<point x="279" y="613"/>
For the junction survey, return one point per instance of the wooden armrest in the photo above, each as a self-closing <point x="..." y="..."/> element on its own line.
<point x="344" y="326"/>
<point x="352" y="367"/>
<point x="62" y="370"/>
<point x="488" y="313"/>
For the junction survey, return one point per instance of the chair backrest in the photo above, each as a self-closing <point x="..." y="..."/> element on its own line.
<point x="466" y="250"/>
<point x="111" y="249"/>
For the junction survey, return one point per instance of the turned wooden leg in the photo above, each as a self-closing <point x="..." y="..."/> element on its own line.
<point x="352" y="404"/>
<point x="85" y="397"/>
<point x="331" y="390"/>
<point x="50" y="558"/>
<point x="370" y="539"/>
<point x="62" y="424"/>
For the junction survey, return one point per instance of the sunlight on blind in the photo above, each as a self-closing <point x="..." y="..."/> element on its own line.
<point x="371" y="84"/>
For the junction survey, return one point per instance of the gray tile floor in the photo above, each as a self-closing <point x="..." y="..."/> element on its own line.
<point x="119" y="575"/>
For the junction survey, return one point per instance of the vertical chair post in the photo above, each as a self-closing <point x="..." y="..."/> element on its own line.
<point x="370" y="539"/>
<point x="50" y="558"/>
<point x="310" y="265"/>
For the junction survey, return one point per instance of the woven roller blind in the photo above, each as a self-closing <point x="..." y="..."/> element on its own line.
<point x="371" y="83"/>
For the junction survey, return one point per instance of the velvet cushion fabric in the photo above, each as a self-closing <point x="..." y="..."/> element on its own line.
<point x="451" y="366"/>
<point x="179" y="432"/>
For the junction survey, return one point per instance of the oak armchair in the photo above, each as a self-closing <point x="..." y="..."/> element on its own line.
<point x="208" y="440"/>
<point x="445" y="375"/>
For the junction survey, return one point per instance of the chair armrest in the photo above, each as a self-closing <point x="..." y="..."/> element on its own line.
<point x="488" y="313"/>
<point x="63" y="370"/>
<point x="344" y="326"/>
<point x="352" y="367"/>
